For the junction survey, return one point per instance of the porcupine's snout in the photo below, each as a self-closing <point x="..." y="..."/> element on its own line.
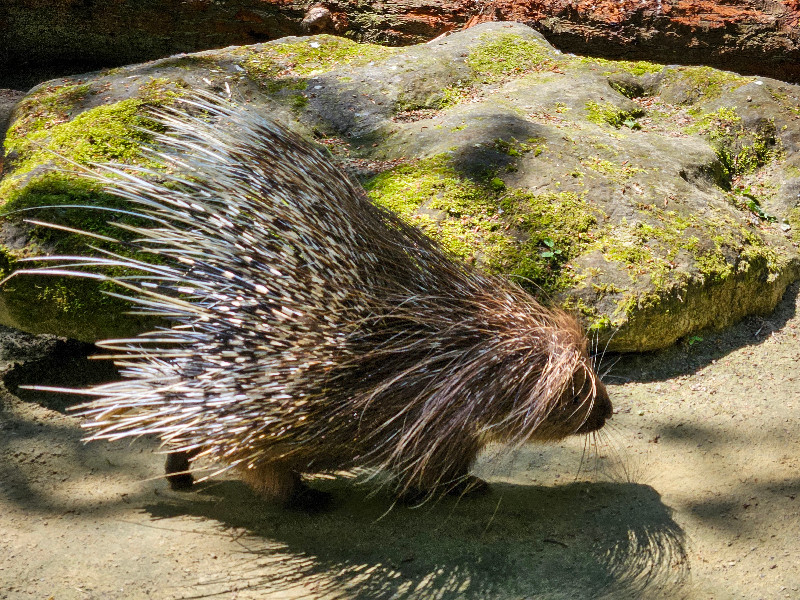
<point x="594" y="396"/>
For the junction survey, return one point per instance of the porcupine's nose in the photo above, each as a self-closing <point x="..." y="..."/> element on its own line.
<point x="601" y="410"/>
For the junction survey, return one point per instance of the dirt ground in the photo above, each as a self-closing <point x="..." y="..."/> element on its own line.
<point x="692" y="493"/>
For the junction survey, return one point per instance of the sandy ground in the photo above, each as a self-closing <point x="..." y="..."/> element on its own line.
<point x="692" y="493"/>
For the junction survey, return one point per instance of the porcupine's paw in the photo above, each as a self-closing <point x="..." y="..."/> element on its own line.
<point x="177" y="471"/>
<point x="283" y="485"/>
<point x="309" y="500"/>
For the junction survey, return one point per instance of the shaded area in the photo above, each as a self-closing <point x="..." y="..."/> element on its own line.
<point x="583" y="540"/>
<point x="704" y="348"/>
<point x="728" y="507"/>
<point x="67" y="363"/>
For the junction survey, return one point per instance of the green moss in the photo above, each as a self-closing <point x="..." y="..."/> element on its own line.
<point x="756" y="251"/>
<point x="597" y="324"/>
<point x="453" y="95"/>
<point x="496" y="184"/>
<point x="618" y="172"/>
<point x="650" y="248"/>
<point x="75" y="304"/>
<point x="556" y="228"/>
<point x="34" y="190"/>
<point x="108" y="133"/>
<point x="627" y="90"/>
<point x="427" y="106"/>
<point x="724" y="118"/>
<point x="637" y="302"/>
<point x="514" y="147"/>
<point x="308" y="57"/>
<point x="40" y="199"/>
<point x="43" y="110"/>
<point x="469" y="222"/>
<point x="740" y="151"/>
<point x="790" y="103"/>
<point x="162" y="90"/>
<point x="299" y="102"/>
<point x="607" y="113"/>
<point x="508" y="231"/>
<point x="635" y="68"/>
<point x="113" y="132"/>
<point x="53" y="189"/>
<point x="704" y="83"/>
<point x="73" y="300"/>
<point x="503" y="55"/>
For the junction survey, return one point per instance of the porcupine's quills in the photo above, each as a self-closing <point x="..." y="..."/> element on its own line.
<point x="314" y="331"/>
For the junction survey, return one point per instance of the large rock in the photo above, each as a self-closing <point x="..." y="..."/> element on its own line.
<point x="655" y="201"/>
<point x="748" y="36"/>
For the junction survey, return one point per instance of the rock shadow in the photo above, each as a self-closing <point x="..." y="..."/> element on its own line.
<point x="696" y="353"/>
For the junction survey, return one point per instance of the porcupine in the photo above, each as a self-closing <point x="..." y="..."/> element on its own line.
<point x="312" y="330"/>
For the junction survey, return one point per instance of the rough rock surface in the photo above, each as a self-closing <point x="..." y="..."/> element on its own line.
<point x="654" y="200"/>
<point x="747" y="36"/>
<point x="8" y="99"/>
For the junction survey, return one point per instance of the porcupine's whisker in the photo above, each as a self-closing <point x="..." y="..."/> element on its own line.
<point x="610" y="367"/>
<point x="618" y="457"/>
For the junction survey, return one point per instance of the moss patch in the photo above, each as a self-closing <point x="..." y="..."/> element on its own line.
<point x="703" y="83"/>
<point x="526" y="235"/>
<point x="45" y="109"/>
<point x="617" y="172"/>
<point x="460" y="213"/>
<point x="498" y="56"/>
<point x="288" y="64"/>
<point x="515" y="148"/>
<point x="741" y="151"/>
<point x="34" y="190"/>
<point x="636" y="68"/>
<point x="606" y="113"/>
<point x="555" y="228"/>
<point x="113" y="132"/>
<point x="651" y="248"/>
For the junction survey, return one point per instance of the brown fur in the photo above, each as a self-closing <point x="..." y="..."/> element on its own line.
<point x="315" y="331"/>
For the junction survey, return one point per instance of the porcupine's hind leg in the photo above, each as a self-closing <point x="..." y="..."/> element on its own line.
<point x="177" y="469"/>
<point x="281" y="484"/>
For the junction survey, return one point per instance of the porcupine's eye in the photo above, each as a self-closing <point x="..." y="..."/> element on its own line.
<point x="579" y="389"/>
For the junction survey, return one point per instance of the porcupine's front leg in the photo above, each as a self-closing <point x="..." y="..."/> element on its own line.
<point x="462" y="485"/>
<point x="283" y="485"/>
<point x="448" y="474"/>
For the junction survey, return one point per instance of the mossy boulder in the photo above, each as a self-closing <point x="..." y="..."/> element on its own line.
<point x="653" y="200"/>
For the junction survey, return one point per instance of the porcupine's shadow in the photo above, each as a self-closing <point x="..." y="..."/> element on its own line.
<point x="581" y="540"/>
